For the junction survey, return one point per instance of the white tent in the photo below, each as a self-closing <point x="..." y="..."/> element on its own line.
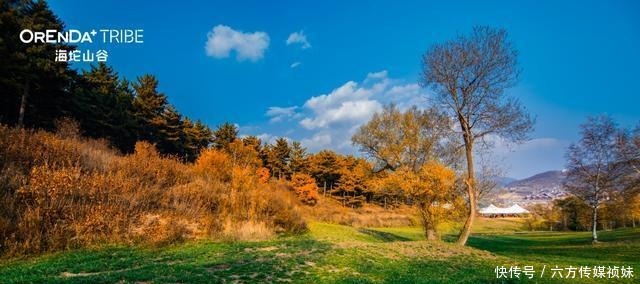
<point x="514" y="209"/>
<point x="491" y="209"/>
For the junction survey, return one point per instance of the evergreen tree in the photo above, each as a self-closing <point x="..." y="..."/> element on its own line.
<point x="103" y="104"/>
<point x="34" y="89"/>
<point x="197" y="137"/>
<point x="324" y="167"/>
<point x="225" y="134"/>
<point x="254" y="142"/>
<point x="172" y="133"/>
<point x="150" y="108"/>
<point x="351" y="185"/>
<point x="299" y="162"/>
<point x="281" y="154"/>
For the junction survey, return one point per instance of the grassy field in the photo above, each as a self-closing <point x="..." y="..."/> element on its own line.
<point x="333" y="254"/>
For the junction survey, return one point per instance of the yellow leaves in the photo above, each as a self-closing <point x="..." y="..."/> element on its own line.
<point x="68" y="192"/>
<point x="213" y="164"/>
<point x="436" y="179"/>
<point x="433" y="179"/>
<point x="305" y="187"/>
<point x="397" y="138"/>
<point x="263" y="175"/>
<point x="243" y="178"/>
<point x="47" y="185"/>
<point x="145" y="149"/>
<point x="243" y="155"/>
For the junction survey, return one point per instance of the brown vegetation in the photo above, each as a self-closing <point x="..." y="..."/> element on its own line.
<point x="59" y="191"/>
<point x="369" y="215"/>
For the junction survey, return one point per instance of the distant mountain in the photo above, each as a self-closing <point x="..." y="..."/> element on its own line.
<point x="548" y="179"/>
<point x="504" y="181"/>
<point x="540" y="188"/>
<point x="500" y="181"/>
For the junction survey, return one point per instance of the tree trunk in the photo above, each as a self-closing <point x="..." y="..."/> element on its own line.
<point x="428" y="225"/>
<point x="324" y="189"/>
<point x="594" y="236"/>
<point x="23" y="103"/>
<point x="466" y="230"/>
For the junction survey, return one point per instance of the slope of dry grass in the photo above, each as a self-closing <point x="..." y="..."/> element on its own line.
<point x="60" y="191"/>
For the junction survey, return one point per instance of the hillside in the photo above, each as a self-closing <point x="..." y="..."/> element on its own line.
<point x="539" y="188"/>
<point x="548" y="179"/>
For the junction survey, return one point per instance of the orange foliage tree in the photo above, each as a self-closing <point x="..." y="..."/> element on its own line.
<point x="305" y="187"/>
<point x="434" y="192"/>
<point x="431" y="189"/>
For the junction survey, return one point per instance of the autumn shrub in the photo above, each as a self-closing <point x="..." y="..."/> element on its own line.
<point x="61" y="191"/>
<point x="246" y="203"/>
<point x="67" y="128"/>
<point x="369" y="215"/>
<point x="263" y="175"/>
<point x="213" y="164"/>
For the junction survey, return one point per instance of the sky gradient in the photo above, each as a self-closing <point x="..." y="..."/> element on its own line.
<point x="315" y="71"/>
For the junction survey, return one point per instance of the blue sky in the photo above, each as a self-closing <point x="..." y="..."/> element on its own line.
<point x="349" y="58"/>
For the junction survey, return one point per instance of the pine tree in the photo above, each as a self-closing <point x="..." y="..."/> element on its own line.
<point x="225" y="134"/>
<point x="254" y="142"/>
<point x="103" y="104"/>
<point x="150" y="108"/>
<point x="281" y="154"/>
<point x="299" y="162"/>
<point x="351" y="185"/>
<point x="34" y="89"/>
<point x="324" y="167"/>
<point x="197" y="137"/>
<point x="172" y="133"/>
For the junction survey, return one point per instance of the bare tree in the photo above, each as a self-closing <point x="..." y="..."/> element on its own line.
<point x="628" y="150"/>
<point x="469" y="75"/>
<point x="593" y="167"/>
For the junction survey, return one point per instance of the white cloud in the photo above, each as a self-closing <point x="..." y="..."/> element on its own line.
<point x="222" y="40"/>
<point x="317" y="142"/>
<point x="327" y="121"/>
<point x="408" y="95"/>
<point x="278" y="114"/>
<point x="377" y="75"/>
<point x="298" y="38"/>
<point x="350" y="112"/>
<point x="270" y="139"/>
<point x="295" y="64"/>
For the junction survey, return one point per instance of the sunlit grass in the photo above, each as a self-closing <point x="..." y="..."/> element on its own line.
<point x="329" y="253"/>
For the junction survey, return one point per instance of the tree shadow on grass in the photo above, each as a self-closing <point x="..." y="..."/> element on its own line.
<point x="191" y="262"/>
<point x="383" y="236"/>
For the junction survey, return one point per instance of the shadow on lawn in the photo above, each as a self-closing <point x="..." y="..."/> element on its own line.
<point x="195" y="262"/>
<point x="383" y="236"/>
<point x="621" y="245"/>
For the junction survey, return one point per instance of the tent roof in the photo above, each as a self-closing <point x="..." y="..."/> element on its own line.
<point x="513" y="209"/>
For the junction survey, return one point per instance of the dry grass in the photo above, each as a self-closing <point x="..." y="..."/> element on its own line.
<point x="60" y="191"/>
<point x="370" y="215"/>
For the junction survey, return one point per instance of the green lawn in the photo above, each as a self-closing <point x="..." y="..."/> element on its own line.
<point x="329" y="254"/>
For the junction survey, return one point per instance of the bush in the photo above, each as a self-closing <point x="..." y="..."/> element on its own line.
<point x="369" y="215"/>
<point x="60" y="191"/>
